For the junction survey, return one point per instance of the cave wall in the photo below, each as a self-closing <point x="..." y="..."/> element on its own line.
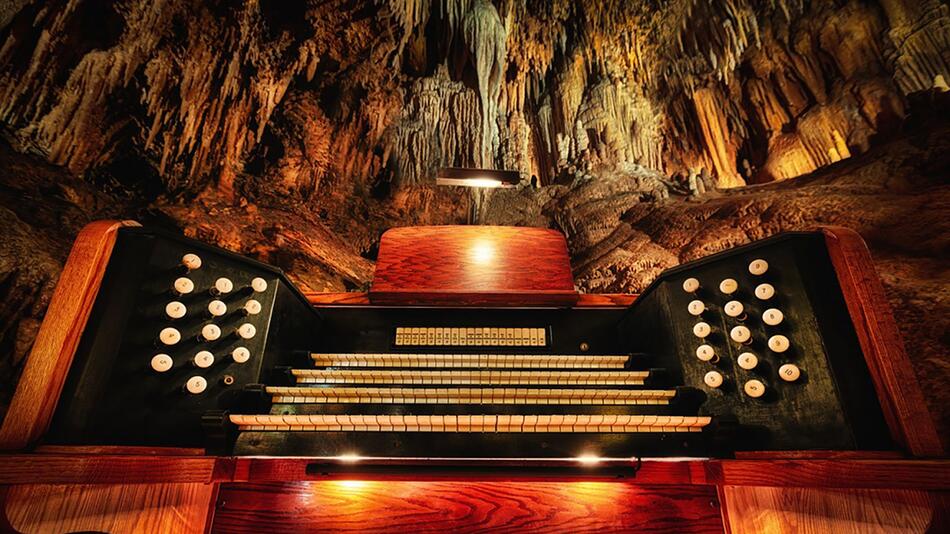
<point x="232" y="98"/>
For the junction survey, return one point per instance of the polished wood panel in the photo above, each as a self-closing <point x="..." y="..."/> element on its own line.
<point x="911" y="474"/>
<point x="45" y="372"/>
<point x="901" y="399"/>
<point x="104" y="469"/>
<point x="129" y="508"/>
<point x="375" y="506"/>
<point x="473" y="265"/>
<point x="820" y="511"/>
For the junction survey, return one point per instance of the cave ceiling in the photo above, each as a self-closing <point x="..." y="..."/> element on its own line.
<point x="236" y="98"/>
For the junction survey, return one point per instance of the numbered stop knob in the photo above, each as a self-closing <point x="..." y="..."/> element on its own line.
<point x="706" y="353"/>
<point x="734" y="308"/>
<point x="789" y="372"/>
<point x="210" y="332"/>
<point x="161" y="363"/>
<point x="175" y="310"/>
<point x="252" y="307"/>
<point x="758" y="267"/>
<point x="690" y="285"/>
<point x="754" y="388"/>
<point x="191" y="261"/>
<point x="773" y="317"/>
<point x="222" y="286"/>
<point x="696" y="307"/>
<point x="203" y="359"/>
<point x="728" y="286"/>
<point x="702" y="329"/>
<point x="764" y="291"/>
<point x="246" y="331"/>
<point x="240" y="355"/>
<point x="169" y="336"/>
<point x="196" y="385"/>
<point x="740" y="334"/>
<point x="259" y="285"/>
<point x="747" y="361"/>
<point x="713" y="379"/>
<point x="217" y="308"/>
<point x="779" y="343"/>
<point x="183" y="286"/>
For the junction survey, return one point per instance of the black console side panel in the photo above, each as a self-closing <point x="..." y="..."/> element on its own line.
<point x="113" y="396"/>
<point x="831" y="406"/>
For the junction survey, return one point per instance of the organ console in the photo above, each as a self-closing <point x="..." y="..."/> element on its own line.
<point x="473" y="351"/>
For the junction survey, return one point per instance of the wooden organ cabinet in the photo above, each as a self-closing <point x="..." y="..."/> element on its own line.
<point x="178" y="387"/>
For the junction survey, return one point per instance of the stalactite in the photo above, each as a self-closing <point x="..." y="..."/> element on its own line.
<point x="485" y="36"/>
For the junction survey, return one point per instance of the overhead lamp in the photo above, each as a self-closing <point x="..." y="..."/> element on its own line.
<point x="467" y="177"/>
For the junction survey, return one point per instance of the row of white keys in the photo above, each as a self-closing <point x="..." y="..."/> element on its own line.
<point x="475" y="336"/>
<point x="470" y="360"/>
<point x="494" y="377"/>
<point x="474" y="423"/>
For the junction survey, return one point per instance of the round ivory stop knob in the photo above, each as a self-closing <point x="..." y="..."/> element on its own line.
<point x="748" y="361"/>
<point x="246" y="331"/>
<point x="252" y="307"/>
<point x="758" y="267"/>
<point x="196" y="385"/>
<point x="191" y="261"/>
<point x="733" y="308"/>
<point x="705" y="353"/>
<point x="169" y="336"/>
<point x="754" y="388"/>
<point x="740" y="334"/>
<point x="217" y="308"/>
<point x="728" y="286"/>
<point x="696" y="307"/>
<point x="210" y="332"/>
<point x="779" y="343"/>
<point x="690" y="285"/>
<point x="702" y="329"/>
<point x="183" y="285"/>
<point x="764" y="291"/>
<point x="259" y="284"/>
<point x="223" y="285"/>
<point x="161" y="363"/>
<point x="175" y="310"/>
<point x="789" y="372"/>
<point x="204" y="359"/>
<point x="241" y="355"/>
<point x="713" y="379"/>
<point x="772" y="317"/>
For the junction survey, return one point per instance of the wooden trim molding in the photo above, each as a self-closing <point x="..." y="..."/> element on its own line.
<point x="894" y="380"/>
<point x="48" y="363"/>
<point x="66" y="468"/>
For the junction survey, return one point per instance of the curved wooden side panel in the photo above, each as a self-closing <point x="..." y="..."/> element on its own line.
<point x="45" y="372"/>
<point x="894" y="380"/>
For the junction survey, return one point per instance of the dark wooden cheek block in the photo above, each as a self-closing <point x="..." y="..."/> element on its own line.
<point x="172" y="490"/>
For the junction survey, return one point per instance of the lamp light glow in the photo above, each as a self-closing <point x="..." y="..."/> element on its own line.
<point x="588" y="459"/>
<point x="485" y="178"/>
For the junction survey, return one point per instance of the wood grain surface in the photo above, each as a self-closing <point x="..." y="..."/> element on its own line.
<point x="473" y="265"/>
<point x="131" y="508"/>
<point x="894" y="380"/>
<point x="840" y="473"/>
<point x="823" y="511"/>
<point x="365" y="506"/>
<point x="48" y="363"/>
<point x="106" y="469"/>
